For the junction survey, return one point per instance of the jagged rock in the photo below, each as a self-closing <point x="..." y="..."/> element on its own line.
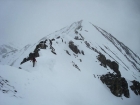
<point x="67" y="52"/>
<point x="75" y="65"/>
<point x="24" y="60"/>
<point x="102" y="59"/>
<point x="53" y="52"/>
<point x="115" y="67"/>
<point x="20" y="68"/>
<point x="31" y="55"/>
<point x="53" y="39"/>
<point x="135" y="87"/>
<point x="117" y="85"/>
<point x="77" y="38"/>
<point x="106" y="62"/>
<point x="41" y="45"/>
<point x="62" y="39"/>
<point x="5" y="87"/>
<point x="37" y="47"/>
<point x="36" y="54"/>
<point x="73" y="47"/>
<point x="88" y="45"/>
<point x="76" y="32"/>
<point x="82" y="52"/>
<point x="45" y="41"/>
<point x="58" y="37"/>
<point x="94" y="49"/>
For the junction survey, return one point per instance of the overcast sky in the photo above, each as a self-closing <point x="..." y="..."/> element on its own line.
<point x="26" y="20"/>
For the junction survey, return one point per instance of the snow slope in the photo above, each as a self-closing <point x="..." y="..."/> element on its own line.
<point x="67" y="78"/>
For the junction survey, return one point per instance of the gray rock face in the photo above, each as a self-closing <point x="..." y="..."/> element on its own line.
<point x="73" y="47"/>
<point x="135" y="87"/>
<point x="112" y="64"/>
<point x="117" y="85"/>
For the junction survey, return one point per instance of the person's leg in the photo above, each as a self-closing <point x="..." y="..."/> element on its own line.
<point x="33" y="64"/>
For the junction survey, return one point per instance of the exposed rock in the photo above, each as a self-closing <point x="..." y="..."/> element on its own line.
<point x="58" y="37"/>
<point x="117" y="85"/>
<point x="53" y="52"/>
<point x="102" y="59"/>
<point x="24" y="60"/>
<point x="115" y="67"/>
<point x="135" y="87"/>
<point x="77" y="38"/>
<point x="73" y="47"/>
<point x="20" y="68"/>
<point x="5" y="87"/>
<point x="106" y="62"/>
<point x="76" y="32"/>
<point x="67" y="52"/>
<point x="75" y="65"/>
<point x="82" y="52"/>
<point x="88" y="45"/>
<point x="94" y="49"/>
<point x="42" y="45"/>
<point x="35" y="54"/>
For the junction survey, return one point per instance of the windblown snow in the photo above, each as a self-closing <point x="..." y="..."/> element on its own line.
<point x="67" y="78"/>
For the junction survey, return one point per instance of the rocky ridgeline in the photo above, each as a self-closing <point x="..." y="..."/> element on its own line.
<point x="117" y="84"/>
<point x="112" y="64"/>
<point x="35" y="54"/>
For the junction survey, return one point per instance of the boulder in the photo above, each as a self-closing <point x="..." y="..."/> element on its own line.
<point x="102" y="59"/>
<point x="135" y="87"/>
<point x="73" y="47"/>
<point x="117" y="85"/>
<point x="106" y="62"/>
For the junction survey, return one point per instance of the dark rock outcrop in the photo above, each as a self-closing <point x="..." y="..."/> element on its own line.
<point x="82" y="52"/>
<point x="77" y="38"/>
<point x="5" y="87"/>
<point x="88" y="45"/>
<point x="76" y="66"/>
<point x="24" y="60"/>
<point x="135" y="87"/>
<point x="117" y="85"/>
<point x="35" y="54"/>
<point x="102" y="59"/>
<point x="106" y="62"/>
<point x="73" y="47"/>
<point x="115" y="67"/>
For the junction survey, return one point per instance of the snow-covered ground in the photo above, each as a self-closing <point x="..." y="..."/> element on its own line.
<point x="56" y="81"/>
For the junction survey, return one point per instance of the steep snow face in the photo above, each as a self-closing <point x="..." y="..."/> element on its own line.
<point x="69" y="74"/>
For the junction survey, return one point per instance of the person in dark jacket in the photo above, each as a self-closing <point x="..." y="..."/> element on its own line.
<point x="33" y="60"/>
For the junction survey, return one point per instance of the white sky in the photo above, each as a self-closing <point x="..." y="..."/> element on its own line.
<point x="27" y="20"/>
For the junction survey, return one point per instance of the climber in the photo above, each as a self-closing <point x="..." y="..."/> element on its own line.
<point x="33" y="60"/>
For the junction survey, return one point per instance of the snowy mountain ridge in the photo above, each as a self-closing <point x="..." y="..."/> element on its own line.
<point x="84" y="65"/>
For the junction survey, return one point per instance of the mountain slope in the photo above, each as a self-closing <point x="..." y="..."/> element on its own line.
<point x="70" y="74"/>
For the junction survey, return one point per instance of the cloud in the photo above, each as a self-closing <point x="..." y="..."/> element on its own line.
<point x="26" y="20"/>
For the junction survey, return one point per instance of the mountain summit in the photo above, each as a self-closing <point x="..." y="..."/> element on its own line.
<point x="80" y="64"/>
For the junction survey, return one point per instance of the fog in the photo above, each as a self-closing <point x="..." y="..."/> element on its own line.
<point x="28" y="20"/>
